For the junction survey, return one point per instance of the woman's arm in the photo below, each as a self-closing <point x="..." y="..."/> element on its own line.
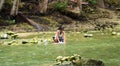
<point x="56" y="36"/>
<point x="64" y="37"/>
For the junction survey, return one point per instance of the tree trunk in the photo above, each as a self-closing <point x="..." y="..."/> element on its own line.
<point x="79" y="2"/>
<point x="1" y="3"/>
<point x="14" y="10"/>
<point x="101" y="3"/>
<point x="43" y="6"/>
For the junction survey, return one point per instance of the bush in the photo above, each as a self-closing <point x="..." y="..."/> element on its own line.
<point x="112" y="3"/>
<point x="93" y="2"/>
<point x="60" y="5"/>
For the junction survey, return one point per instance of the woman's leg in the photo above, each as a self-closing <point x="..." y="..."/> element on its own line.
<point x="61" y="39"/>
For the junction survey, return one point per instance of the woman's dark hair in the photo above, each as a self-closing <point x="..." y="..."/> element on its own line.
<point x="60" y="28"/>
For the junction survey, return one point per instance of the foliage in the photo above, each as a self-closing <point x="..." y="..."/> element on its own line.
<point x="60" y="5"/>
<point x="91" y="7"/>
<point x="9" y="1"/>
<point x="104" y="26"/>
<point x="92" y="2"/>
<point x="6" y="22"/>
<point x="113" y="2"/>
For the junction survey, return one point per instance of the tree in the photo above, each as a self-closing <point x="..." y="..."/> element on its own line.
<point x="79" y="2"/>
<point x="43" y="6"/>
<point x="101" y="3"/>
<point x="1" y="3"/>
<point x="15" y="7"/>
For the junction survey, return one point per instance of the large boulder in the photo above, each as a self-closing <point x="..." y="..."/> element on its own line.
<point x="76" y="60"/>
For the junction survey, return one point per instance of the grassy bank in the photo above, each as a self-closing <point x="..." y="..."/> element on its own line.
<point x="101" y="46"/>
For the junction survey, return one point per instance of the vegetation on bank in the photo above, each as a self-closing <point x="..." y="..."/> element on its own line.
<point x="59" y="12"/>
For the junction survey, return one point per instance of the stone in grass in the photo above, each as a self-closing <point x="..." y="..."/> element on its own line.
<point x="114" y="33"/>
<point x="92" y="62"/>
<point x="64" y="64"/>
<point x="14" y="36"/>
<point x="4" y="36"/>
<point x="11" y="42"/>
<point x="118" y="34"/>
<point x="88" y="62"/>
<point x="88" y="35"/>
<point x="10" y="33"/>
<point x="25" y="42"/>
<point x="76" y="60"/>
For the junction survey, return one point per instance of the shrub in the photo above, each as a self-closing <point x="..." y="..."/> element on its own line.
<point x="93" y="2"/>
<point x="60" y="5"/>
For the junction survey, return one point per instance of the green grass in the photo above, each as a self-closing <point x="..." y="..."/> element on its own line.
<point x="101" y="46"/>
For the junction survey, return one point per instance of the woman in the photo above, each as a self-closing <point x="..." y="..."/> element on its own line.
<point x="60" y="36"/>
